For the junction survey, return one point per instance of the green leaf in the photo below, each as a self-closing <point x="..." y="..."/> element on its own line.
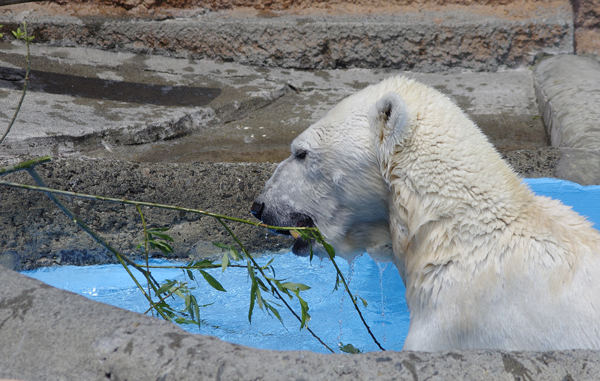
<point x="304" y="309"/>
<point x="267" y="265"/>
<point x="179" y="293"/>
<point x="190" y="274"/>
<point x="259" y="300"/>
<point x="349" y="348"/>
<point x="252" y="299"/>
<point x="212" y="281"/>
<point x="262" y="285"/>
<point x="162" y="246"/>
<point x="221" y="246"/>
<point x="159" y="229"/>
<point x="188" y="303"/>
<point x="250" y="270"/>
<point x="166" y="287"/>
<point x="274" y="311"/>
<point x="295" y="286"/>
<point x="364" y="302"/>
<point x="235" y="254"/>
<point x="225" y="261"/>
<point x="181" y="320"/>
<point x="280" y="287"/>
<point x="329" y="250"/>
<point x="162" y="236"/>
<point x="196" y="309"/>
<point x="18" y="33"/>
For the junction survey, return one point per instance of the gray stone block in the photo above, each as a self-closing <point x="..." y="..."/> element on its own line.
<point x="568" y="92"/>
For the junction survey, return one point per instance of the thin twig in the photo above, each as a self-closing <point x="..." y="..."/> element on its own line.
<point x="150" y="204"/>
<point x="28" y="60"/>
<point x="322" y="241"/>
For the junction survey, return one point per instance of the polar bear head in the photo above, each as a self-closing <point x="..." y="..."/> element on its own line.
<point x="333" y="179"/>
<point x="397" y="150"/>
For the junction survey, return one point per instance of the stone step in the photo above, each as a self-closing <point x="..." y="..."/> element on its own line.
<point x="426" y="38"/>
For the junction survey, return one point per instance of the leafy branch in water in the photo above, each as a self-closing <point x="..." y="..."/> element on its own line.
<point x="262" y="278"/>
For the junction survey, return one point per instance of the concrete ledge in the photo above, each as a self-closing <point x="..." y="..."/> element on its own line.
<point x="478" y="38"/>
<point x="49" y="334"/>
<point x="568" y="92"/>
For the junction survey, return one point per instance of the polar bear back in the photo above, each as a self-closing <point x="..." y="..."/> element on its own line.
<point x="487" y="263"/>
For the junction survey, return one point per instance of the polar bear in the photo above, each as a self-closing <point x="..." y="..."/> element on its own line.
<point x="399" y="171"/>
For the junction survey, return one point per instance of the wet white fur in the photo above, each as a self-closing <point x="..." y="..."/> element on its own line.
<point x="486" y="263"/>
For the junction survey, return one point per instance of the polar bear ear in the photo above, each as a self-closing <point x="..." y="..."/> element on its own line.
<point x="388" y="119"/>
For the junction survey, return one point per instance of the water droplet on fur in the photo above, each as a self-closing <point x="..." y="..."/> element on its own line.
<point x="382" y="266"/>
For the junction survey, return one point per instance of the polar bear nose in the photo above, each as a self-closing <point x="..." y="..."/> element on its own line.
<point x="257" y="209"/>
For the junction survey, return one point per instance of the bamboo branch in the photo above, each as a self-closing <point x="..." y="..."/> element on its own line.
<point x="124" y="260"/>
<point x="24" y="165"/>
<point x="149" y="204"/>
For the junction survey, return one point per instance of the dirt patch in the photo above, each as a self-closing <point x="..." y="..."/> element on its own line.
<point x="587" y="26"/>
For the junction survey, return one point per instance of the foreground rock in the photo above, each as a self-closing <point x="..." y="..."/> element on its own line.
<point x="49" y="334"/>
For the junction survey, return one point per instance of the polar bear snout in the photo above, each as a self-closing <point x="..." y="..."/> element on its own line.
<point x="257" y="209"/>
<point x="274" y="216"/>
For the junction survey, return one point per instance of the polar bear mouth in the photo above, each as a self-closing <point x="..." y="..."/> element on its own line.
<point x="302" y="247"/>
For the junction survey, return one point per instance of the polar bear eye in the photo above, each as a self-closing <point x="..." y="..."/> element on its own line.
<point x="300" y="155"/>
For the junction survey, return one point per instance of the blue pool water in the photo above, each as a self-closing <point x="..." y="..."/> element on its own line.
<point x="334" y="319"/>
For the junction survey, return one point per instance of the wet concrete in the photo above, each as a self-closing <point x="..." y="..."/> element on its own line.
<point x="158" y="109"/>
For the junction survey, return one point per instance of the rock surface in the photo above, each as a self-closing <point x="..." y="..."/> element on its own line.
<point x="50" y="334"/>
<point x="414" y="38"/>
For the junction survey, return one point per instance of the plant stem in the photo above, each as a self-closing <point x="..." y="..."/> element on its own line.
<point x="150" y="204"/>
<point x="24" y="165"/>
<point x="145" y="248"/>
<point x="321" y="240"/>
<point x="28" y="60"/>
